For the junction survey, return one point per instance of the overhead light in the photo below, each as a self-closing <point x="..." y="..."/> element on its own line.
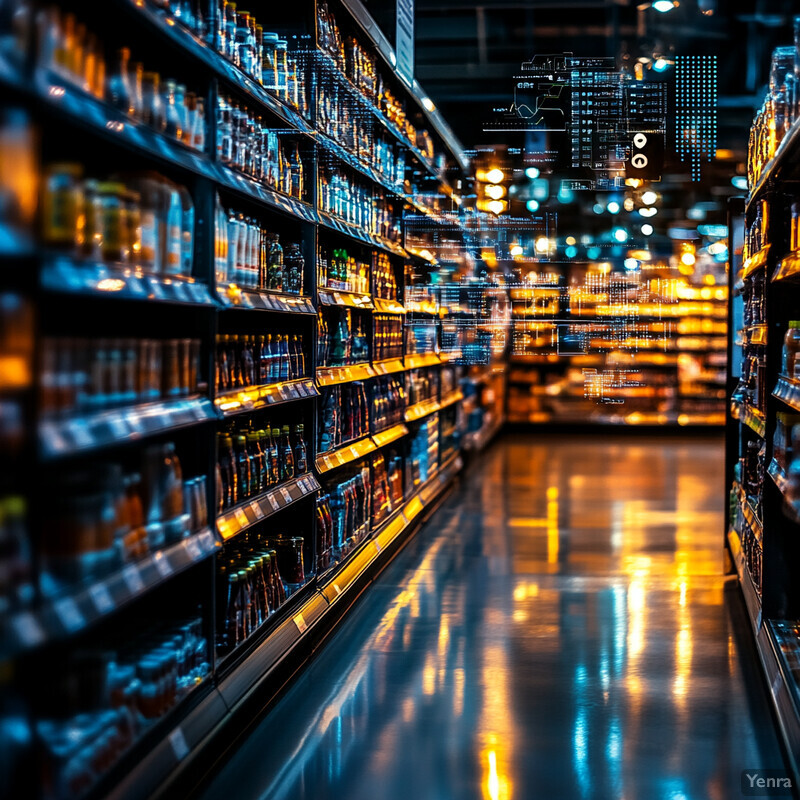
<point x="428" y="103"/>
<point x="497" y="207"/>
<point x="516" y="250"/>
<point x="571" y="240"/>
<point x="740" y="182"/>
<point x="532" y="205"/>
<point x="532" y="172"/>
<point x="613" y="207"/>
<point x="630" y="264"/>
<point x="542" y="244"/>
<point x="649" y="198"/>
<point x="664" y="5"/>
<point x="647" y="229"/>
<point x="495" y="191"/>
<point x="648" y="212"/>
<point x="620" y="234"/>
<point x="495" y="175"/>
<point x="688" y="259"/>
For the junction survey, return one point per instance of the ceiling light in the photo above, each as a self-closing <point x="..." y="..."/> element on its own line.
<point x="649" y="198"/>
<point x="647" y="229"/>
<point x="495" y="175"/>
<point x="688" y="259"/>
<point x="648" y="212"/>
<point x="664" y="5"/>
<point x="620" y="234"/>
<point x="613" y="207"/>
<point x="495" y="191"/>
<point x="571" y="240"/>
<point x="497" y="207"/>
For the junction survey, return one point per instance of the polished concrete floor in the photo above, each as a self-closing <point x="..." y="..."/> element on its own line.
<point x="561" y="628"/>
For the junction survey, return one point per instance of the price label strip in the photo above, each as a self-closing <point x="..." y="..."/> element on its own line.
<point x="162" y="565"/>
<point x="68" y="614"/>
<point x="286" y="495"/>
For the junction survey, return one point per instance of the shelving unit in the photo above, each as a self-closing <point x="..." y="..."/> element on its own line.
<point x="113" y="299"/>
<point x="762" y="522"/>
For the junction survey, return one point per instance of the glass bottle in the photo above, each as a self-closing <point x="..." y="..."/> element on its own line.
<point x="275" y="268"/>
<point x="274" y="457"/>
<point x="174" y="126"/>
<point x="300" y="452"/>
<point x="119" y="90"/>
<point x="294" y="267"/>
<point x="242" y="467"/>
<point x="287" y="455"/>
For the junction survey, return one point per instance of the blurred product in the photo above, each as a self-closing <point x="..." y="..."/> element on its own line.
<point x="387" y="337"/>
<point x="344" y="415"/>
<point x="341" y="338"/>
<point x="388" y="402"/>
<point x="247" y="361"/>
<point x="79" y="375"/>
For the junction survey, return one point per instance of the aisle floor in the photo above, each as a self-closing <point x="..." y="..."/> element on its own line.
<point x="561" y="628"/>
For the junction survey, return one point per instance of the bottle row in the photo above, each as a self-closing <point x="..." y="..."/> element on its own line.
<point x="341" y="338"/>
<point x="66" y="48"/>
<point x="250" y="461"/>
<point x="253" y="258"/>
<point x="102" y="701"/>
<point x="247" y="144"/>
<point x="246" y="361"/>
<point x="361" y="69"/>
<point x="358" y="203"/>
<point x="343" y="415"/>
<point x="338" y="270"/>
<point x="80" y="375"/>
<point x="137" y="219"/>
<point x="780" y="109"/>
<point x="100" y="518"/>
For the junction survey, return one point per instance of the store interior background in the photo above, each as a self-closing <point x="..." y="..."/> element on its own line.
<point x="556" y="413"/>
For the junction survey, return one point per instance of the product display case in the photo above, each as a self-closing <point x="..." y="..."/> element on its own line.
<point x="207" y="367"/>
<point x="763" y="434"/>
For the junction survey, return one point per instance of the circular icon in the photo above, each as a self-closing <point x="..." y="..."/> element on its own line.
<point x="639" y="140"/>
<point x="639" y="161"/>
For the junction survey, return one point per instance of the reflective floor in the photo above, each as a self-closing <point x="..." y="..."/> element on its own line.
<point x="560" y="629"/>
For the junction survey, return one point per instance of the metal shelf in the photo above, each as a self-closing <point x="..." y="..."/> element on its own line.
<point x="340" y="297"/>
<point x="755" y="262"/>
<point x="234" y="520"/>
<point x="788" y="268"/>
<point x="354" y="232"/>
<point x="788" y="390"/>
<point x="390" y="435"/>
<point x="65" y="275"/>
<point x="785" y="157"/>
<point x="419" y="360"/>
<point x="83" y="433"/>
<point x="78" y="609"/>
<point x="383" y="306"/>
<point x="422" y="409"/>
<point x="752" y="417"/>
<point x="232" y="296"/>
<point x="186" y="40"/>
<point x="240" y="401"/>
<point x="388" y="366"/>
<point x="333" y="459"/>
<point x="331" y="376"/>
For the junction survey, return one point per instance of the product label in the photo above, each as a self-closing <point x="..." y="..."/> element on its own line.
<point x="256" y="509"/>
<point x="179" y="746"/>
<point x="162" y="565"/>
<point x="241" y="518"/>
<point x="101" y="598"/>
<point x="69" y="615"/>
<point x="273" y="501"/>
<point x="302" y="625"/>
<point x="132" y="578"/>
<point x="285" y="493"/>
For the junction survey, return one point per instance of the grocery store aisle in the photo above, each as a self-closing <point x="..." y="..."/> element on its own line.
<point x="560" y="629"/>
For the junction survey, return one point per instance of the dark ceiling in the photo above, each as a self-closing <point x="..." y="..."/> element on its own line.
<point x="467" y="52"/>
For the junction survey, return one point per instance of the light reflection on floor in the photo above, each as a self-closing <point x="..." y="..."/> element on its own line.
<point x="561" y="629"/>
